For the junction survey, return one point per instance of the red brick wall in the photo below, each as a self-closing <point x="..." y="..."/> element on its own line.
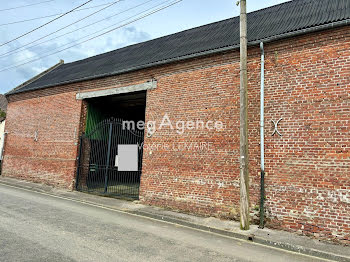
<point x="308" y="168"/>
<point x="50" y="159"/>
<point x="308" y="181"/>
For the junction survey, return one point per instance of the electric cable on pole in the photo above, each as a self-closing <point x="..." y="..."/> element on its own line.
<point x="29" y="44"/>
<point x="111" y="30"/>
<point x="18" y="37"/>
<point x="22" y="6"/>
<point x="47" y="16"/>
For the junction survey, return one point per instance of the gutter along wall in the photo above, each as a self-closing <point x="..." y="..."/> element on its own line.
<point x="307" y="168"/>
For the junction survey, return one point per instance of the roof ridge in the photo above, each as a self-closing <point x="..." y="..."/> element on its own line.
<point x="189" y="29"/>
<point x="193" y="28"/>
<point x="153" y="39"/>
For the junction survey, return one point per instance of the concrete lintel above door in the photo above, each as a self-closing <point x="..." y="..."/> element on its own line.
<point x="117" y="90"/>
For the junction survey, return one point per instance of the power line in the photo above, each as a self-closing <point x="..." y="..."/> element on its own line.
<point x="44" y="24"/>
<point x="17" y="7"/>
<point x="130" y="22"/>
<point x="19" y="49"/>
<point x="47" y="16"/>
<point x="62" y="28"/>
<point x="111" y="26"/>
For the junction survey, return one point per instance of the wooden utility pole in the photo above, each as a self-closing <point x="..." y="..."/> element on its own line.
<point x="244" y="172"/>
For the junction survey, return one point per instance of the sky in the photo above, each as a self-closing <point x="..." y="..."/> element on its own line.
<point x="181" y="16"/>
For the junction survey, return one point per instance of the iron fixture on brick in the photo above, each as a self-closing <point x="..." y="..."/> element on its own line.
<point x="276" y="127"/>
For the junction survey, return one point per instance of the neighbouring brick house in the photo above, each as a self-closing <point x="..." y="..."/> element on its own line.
<point x="307" y="83"/>
<point x="3" y="108"/>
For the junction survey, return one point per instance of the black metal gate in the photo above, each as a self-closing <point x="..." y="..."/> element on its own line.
<point x="97" y="170"/>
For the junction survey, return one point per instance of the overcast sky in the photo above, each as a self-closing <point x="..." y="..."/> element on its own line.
<point x="184" y="15"/>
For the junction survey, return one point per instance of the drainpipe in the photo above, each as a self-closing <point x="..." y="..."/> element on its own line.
<point x="262" y="160"/>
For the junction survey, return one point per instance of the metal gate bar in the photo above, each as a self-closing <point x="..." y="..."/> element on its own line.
<point x="96" y="169"/>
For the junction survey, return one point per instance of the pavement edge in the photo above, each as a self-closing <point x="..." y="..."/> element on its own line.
<point x="281" y="245"/>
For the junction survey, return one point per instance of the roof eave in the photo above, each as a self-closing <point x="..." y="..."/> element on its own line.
<point x="34" y="78"/>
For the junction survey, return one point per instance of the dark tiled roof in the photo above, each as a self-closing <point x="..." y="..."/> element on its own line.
<point x="264" y="24"/>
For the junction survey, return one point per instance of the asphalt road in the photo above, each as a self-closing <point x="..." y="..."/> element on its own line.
<point x="37" y="227"/>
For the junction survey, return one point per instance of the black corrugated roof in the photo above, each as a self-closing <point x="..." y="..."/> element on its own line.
<point x="263" y="24"/>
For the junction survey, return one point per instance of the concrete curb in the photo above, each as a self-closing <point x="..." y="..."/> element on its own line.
<point x="248" y="237"/>
<point x="259" y="240"/>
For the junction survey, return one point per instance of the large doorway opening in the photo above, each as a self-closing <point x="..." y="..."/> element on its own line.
<point x="110" y="153"/>
<point x="129" y="106"/>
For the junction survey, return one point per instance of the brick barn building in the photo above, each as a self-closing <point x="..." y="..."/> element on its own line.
<point x="194" y="76"/>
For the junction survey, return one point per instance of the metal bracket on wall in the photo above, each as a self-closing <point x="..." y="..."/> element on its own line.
<point x="276" y="127"/>
<point x="150" y="133"/>
<point x="36" y="136"/>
